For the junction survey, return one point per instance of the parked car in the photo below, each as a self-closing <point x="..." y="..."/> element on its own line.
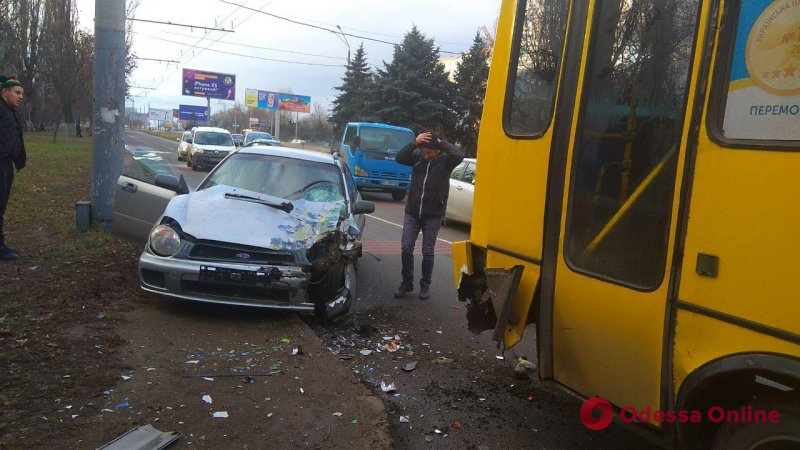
<point x="208" y="146"/>
<point x="462" y="188"/>
<point x="299" y="141"/>
<point x="269" y="227"/>
<point x="238" y="139"/>
<point x="183" y="145"/>
<point x="251" y="136"/>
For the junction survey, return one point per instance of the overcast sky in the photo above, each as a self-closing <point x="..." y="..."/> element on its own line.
<point x="452" y="24"/>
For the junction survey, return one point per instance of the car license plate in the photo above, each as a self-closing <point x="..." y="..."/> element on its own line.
<point x="389" y="183"/>
<point x="231" y="275"/>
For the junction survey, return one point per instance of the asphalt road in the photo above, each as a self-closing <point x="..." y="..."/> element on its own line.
<point x="461" y="386"/>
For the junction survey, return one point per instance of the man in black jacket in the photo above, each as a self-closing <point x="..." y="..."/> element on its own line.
<point x="12" y="150"/>
<point x="432" y="160"/>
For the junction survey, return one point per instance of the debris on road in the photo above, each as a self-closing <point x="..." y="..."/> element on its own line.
<point x="366" y="352"/>
<point x="442" y="360"/>
<point x="193" y="361"/>
<point x="122" y="405"/>
<point x="143" y="437"/>
<point x="126" y="377"/>
<point x="456" y="425"/>
<point x="410" y="366"/>
<point x="338" y="414"/>
<point x="221" y="415"/>
<point x="207" y="399"/>
<point x="523" y="368"/>
<point x="404" y="419"/>
<point x="205" y="376"/>
<point x="388" y="388"/>
<point x="296" y="351"/>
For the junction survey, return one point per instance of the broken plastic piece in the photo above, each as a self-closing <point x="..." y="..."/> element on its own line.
<point x="221" y="414"/>
<point x="296" y="351"/>
<point x="410" y="366"/>
<point x="141" y="438"/>
<point x="366" y="352"/>
<point x="388" y="388"/>
<point x="456" y="425"/>
<point x="404" y="419"/>
<point x="122" y="405"/>
<point x="207" y="399"/>
<point x="337" y="414"/>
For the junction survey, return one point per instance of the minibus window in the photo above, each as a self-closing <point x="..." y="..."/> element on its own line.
<point x="535" y="61"/>
<point x="628" y="137"/>
<point x="762" y="85"/>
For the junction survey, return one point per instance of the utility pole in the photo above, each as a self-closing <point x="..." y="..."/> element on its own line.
<point x="296" y="122"/>
<point x="109" y="107"/>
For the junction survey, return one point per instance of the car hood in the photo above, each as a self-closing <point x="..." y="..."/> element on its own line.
<point x="209" y="215"/>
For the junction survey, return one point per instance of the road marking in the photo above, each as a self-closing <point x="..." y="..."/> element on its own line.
<point x="400" y="226"/>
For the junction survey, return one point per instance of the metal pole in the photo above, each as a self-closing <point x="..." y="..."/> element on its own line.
<point x="208" y="112"/>
<point x="296" y="122"/>
<point x="277" y="134"/>
<point x="109" y="107"/>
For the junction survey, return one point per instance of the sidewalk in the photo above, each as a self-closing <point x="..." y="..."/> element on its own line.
<point x="311" y="401"/>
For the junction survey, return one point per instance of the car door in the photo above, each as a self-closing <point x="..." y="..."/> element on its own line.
<point x="452" y="198"/>
<point x="138" y="202"/>
<point x="465" y="192"/>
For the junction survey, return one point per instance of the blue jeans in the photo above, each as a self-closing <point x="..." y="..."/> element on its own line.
<point x="411" y="228"/>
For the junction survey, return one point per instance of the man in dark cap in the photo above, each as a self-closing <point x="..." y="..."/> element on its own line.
<point x="12" y="150"/>
<point x="432" y="160"/>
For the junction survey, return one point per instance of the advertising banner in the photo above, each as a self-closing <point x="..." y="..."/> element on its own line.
<point x="194" y="113"/>
<point x="198" y="83"/>
<point x="159" y="115"/>
<point x="763" y="100"/>
<point x="260" y="99"/>
<point x="294" y="103"/>
<point x="254" y="121"/>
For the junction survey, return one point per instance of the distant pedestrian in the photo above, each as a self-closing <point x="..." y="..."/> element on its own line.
<point x="12" y="150"/>
<point x="432" y="160"/>
<point x="78" y="129"/>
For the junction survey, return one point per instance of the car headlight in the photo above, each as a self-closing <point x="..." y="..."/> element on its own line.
<point x="164" y="240"/>
<point x="359" y="172"/>
<point x="198" y="150"/>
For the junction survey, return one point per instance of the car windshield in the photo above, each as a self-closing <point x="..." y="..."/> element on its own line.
<point x="252" y="136"/>
<point x="383" y="140"/>
<point x="286" y="178"/>
<point x="212" y="138"/>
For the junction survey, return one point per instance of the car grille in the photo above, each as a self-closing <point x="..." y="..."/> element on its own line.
<point x="240" y="292"/>
<point x="240" y="254"/>
<point x="391" y="175"/>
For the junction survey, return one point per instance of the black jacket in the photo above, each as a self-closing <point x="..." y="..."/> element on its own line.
<point x="430" y="181"/>
<point x="12" y="147"/>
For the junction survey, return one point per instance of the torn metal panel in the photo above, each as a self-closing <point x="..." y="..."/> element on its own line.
<point x="145" y="437"/>
<point x="489" y="294"/>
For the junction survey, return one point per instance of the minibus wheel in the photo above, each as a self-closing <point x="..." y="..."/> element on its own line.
<point x="785" y="434"/>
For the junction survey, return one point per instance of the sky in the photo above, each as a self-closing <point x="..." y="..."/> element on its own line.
<point x="452" y="24"/>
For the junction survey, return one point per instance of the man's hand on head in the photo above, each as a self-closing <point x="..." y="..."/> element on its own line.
<point x="423" y="138"/>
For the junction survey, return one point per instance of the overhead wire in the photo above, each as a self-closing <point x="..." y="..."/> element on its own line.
<point x="306" y="24"/>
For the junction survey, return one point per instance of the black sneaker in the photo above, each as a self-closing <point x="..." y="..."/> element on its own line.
<point x="6" y="254"/>
<point x="424" y="292"/>
<point x="403" y="290"/>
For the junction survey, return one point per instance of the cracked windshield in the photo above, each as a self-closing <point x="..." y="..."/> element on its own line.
<point x="247" y="224"/>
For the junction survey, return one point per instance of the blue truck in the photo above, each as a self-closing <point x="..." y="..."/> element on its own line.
<point x="369" y="150"/>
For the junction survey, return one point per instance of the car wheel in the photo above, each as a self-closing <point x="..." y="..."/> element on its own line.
<point x="181" y="158"/>
<point x="398" y="196"/>
<point x="325" y="292"/>
<point x="753" y="435"/>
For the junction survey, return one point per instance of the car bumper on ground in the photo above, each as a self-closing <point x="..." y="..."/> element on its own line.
<point x="382" y="184"/>
<point x="256" y="285"/>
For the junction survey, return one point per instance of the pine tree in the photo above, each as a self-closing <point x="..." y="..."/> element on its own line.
<point x="471" y="75"/>
<point x="352" y="102"/>
<point x="414" y="90"/>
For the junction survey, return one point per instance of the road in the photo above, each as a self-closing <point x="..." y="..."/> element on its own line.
<point x="460" y="386"/>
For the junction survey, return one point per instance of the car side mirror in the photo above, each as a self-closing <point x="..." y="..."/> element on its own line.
<point x="363" y="207"/>
<point x="172" y="183"/>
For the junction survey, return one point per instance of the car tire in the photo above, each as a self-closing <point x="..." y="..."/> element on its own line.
<point x="181" y="158"/>
<point x="398" y="196"/>
<point x="747" y="435"/>
<point x="328" y="287"/>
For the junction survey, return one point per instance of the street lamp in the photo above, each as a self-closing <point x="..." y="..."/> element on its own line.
<point x="344" y="39"/>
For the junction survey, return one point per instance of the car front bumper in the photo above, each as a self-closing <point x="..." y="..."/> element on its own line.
<point x="382" y="184"/>
<point x="208" y="159"/>
<point x="285" y="289"/>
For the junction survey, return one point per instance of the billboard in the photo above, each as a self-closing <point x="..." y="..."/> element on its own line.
<point x="198" y="83"/>
<point x="294" y="103"/>
<point x="192" y="112"/>
<point x="159" y="115"/>
<point x="254" y="121"/>
<point x="260" y="99"/>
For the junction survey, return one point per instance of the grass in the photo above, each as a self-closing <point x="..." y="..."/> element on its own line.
<point x="171" y="135"/>
<point x="65" y="278"/>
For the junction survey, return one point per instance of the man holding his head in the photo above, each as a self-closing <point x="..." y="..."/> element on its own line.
<point x="432" y="160"/>
<point x="12" y="150"/>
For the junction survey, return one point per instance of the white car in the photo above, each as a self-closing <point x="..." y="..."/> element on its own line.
<point x="208" y="146"/>
<point x="183" y="145"/>
<point x="462" y="188"/>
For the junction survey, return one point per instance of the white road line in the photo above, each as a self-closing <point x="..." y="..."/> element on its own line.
<point x="400" y="226"/>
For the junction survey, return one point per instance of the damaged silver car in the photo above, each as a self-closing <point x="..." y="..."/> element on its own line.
<point x="269" y="227"/>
